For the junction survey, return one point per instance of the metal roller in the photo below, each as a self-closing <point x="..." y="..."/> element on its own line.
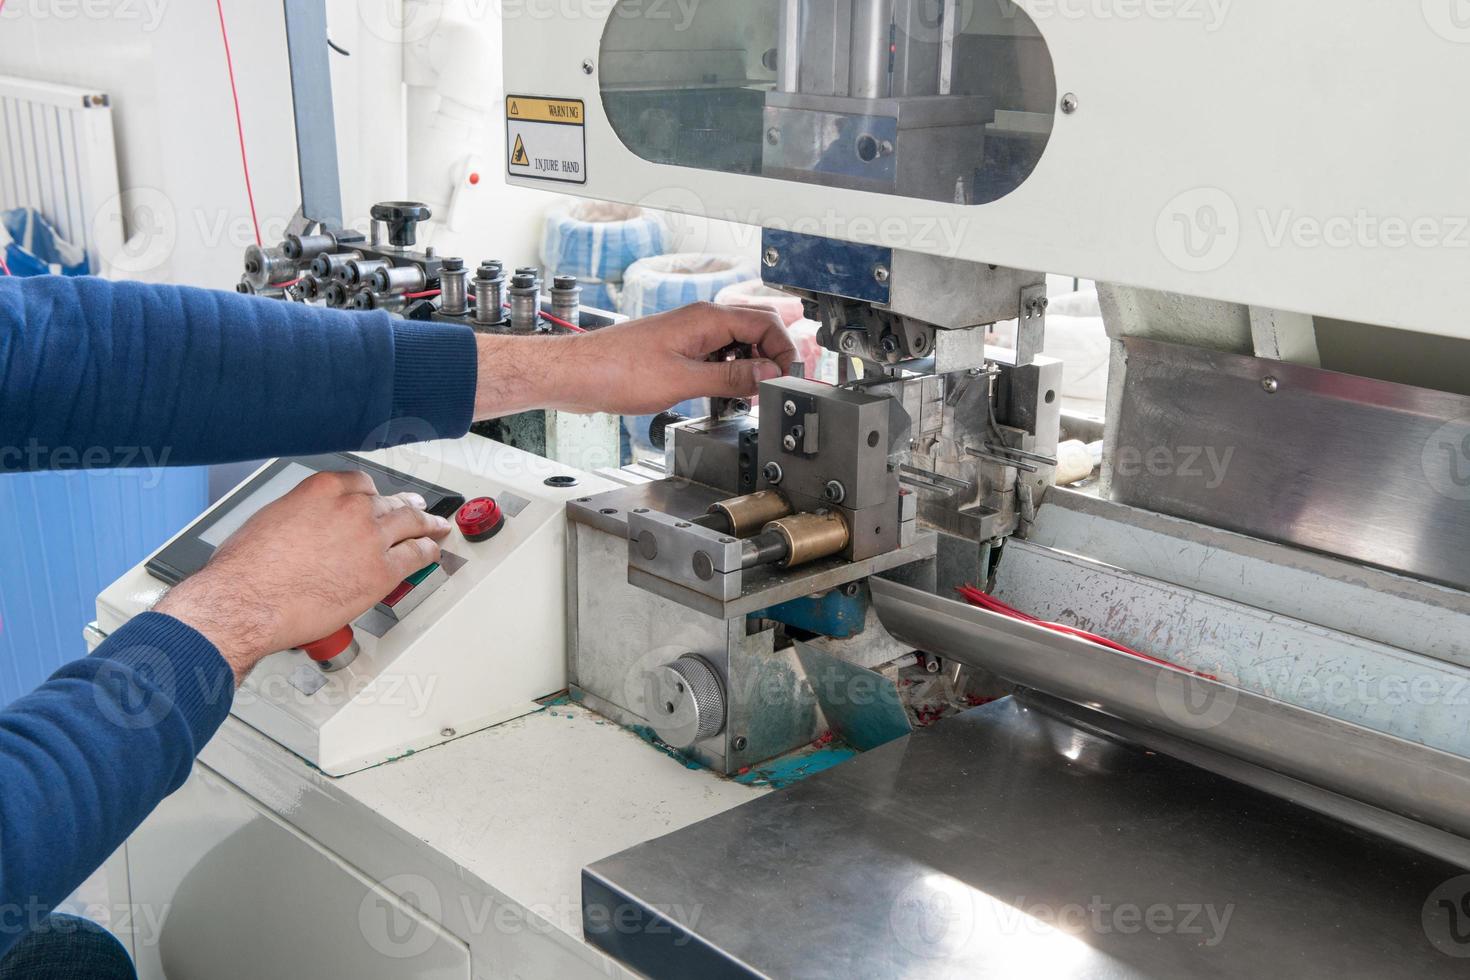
<point x="810" y="537"/>
<point x="750" y="514"/>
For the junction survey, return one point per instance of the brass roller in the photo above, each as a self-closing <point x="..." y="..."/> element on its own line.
<point x="747" y="515"/>
<point x="810" y="537"/>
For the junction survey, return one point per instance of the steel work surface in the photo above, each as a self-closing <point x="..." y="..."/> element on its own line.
<point x="1009" y="842"/>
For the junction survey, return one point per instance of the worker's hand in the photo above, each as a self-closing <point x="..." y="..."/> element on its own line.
<point x="304" y="566"/>
<point x="636" y="368"/>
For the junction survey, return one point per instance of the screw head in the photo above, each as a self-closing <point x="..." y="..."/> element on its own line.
<point x="1271" y="385"/>
<point x="771" y="257"/>
<point x="889" y="344"/>
<point x="739" y="743"/>
<point x="1069" y="103"/>
<point x="448" y="732"/>
<point x="834" y="491"/>
<point x="789" y="443"/>
<point x="588" y="67"/>
<point x="848" y="343"/>
<point x="773" y="136"/>
<point x="772" y="472"/>
<point x="789" y="407"/>
<point x="881" y="273"/>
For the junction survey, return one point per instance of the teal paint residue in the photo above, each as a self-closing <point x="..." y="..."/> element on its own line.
<point x="556" y="700"/>
<point x="648" y="735"/>
<point x="793" y="768"/>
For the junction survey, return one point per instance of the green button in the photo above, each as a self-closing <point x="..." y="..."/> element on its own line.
<point x="417" y="578"/>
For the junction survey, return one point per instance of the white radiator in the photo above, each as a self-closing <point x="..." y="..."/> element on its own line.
<point x="57" y="155"/>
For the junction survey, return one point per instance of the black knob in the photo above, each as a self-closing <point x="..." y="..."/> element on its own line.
<point x="402" y="219"/>
<point x="658" y="429"/>
<point x="490" y="270"/>
<point x="523" y="281"/>
<point x="453" y="265"/>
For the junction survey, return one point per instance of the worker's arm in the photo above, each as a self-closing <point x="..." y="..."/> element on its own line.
<point x="87" y="756"/>
<point x="102" y="374"/>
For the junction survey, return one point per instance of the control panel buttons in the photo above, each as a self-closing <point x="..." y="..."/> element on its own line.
<point x="480" y="519"/>
<point x="333" y="652"/>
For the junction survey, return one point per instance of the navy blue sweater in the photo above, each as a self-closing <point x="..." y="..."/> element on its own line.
<point x="185" y="376"/>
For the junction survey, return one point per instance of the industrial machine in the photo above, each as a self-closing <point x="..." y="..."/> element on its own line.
<point x="1203" y="714"/>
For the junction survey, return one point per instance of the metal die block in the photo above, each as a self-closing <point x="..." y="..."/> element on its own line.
<point x="695" y="557"/>
<point x="717" y="453"/>
<point x="853" y="448"/>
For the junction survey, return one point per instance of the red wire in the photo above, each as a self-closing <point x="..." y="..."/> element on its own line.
<point x="4" y="268"/>
<point x="426" y="294"/>
<point x="990" y="603"/>
<point x="562" y="323"/>
<point x="239" y="123"/>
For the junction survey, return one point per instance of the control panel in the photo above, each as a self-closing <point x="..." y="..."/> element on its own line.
<point x="465" y="643"/>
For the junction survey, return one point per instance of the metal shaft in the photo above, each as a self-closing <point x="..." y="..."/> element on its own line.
<point x="453" y="288"/>
<point x="489" y="294"/>
<point x="751" y="513"/>
<point x="525" y="303"/>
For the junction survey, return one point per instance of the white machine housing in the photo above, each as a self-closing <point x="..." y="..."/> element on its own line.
<point x="1288" y="156"/>
<point x="480" y="650"/>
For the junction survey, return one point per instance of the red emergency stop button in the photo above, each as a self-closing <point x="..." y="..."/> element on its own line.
<point x="480" y="519"/>
<point x="329" y="647"/>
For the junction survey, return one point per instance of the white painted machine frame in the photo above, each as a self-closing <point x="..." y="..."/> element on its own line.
<point x="1317" y="136"/>
<point x="478" y="651"/>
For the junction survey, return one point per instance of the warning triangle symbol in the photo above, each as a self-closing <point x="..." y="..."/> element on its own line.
<point x="515" y="108"/>
<point x="518" y="156"/>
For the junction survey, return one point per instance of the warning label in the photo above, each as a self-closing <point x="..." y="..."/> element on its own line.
<point x="546" y="139"/>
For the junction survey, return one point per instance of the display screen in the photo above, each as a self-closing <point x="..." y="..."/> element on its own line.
<point x="189" y="552"/>
<point x="272" y="490"/>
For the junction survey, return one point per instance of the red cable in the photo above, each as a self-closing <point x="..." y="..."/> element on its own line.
<point x="239" y="123"/>
<point x="562" y="323"/>
<point x="990" y="603"/>
<point x="4" y="268"/>
<point x="426" y="294"/>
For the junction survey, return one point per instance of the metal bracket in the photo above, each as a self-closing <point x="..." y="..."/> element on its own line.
<point x="1031" y="324"/>
<point x="311" y="99"/>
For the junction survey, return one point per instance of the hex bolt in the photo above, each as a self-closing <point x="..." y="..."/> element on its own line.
<point x="772" y="472"/>
<point x="889" y="344"/>
<point x="1271" y="385"/>
<point x="789" y="407"/>
<point x="834" y="491"/>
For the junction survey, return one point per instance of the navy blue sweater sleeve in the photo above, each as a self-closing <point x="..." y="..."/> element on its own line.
<point x="86" y="756"/>
<point x="104" y="374"/>
<point x="99" y="374"/>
